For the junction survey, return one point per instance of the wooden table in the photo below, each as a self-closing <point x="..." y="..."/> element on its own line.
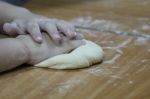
<point x="124" y="73"/>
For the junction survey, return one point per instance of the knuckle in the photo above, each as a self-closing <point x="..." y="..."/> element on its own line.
<point x="32" y="27"/>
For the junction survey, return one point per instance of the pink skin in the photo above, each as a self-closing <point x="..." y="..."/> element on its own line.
<point x="23" y="49"/>
<point x="38" y="52"/>
<point x="18" y="21"/>
<point x="35" y="25"/>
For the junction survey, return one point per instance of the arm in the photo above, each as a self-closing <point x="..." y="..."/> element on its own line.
<point x="9" y="12"/>
<point x="16" y="20"/>
<point x="12" y="53"/>
<point x="20" y="50"/>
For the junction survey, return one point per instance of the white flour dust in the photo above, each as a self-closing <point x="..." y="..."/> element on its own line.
<point x="118" y="50"/>
<point x="146" y="27"/>
<point x="141" y="69"/>
<point x="88" y="21"/>
<point x="69" y="84"/>
<point x="99" y="71"/>
<point x="130" y="82"/>
<point x="104" y="72"/>
<point x="116" y="76"/>
<point x="141" y="41"/>
<point x="145" y="60"/>
<point x="106" y="42"/>
<point x="113" y="60"/>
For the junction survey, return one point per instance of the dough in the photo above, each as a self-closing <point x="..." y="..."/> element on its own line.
<point x="83" y="56"/>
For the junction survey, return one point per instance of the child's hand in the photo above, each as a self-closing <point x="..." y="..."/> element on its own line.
<point x="36" y="24"/>
<point x="39" y="52"/>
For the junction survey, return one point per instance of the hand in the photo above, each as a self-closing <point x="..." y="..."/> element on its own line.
<point x="39" y="52"/>
<point x="35" y="24"/>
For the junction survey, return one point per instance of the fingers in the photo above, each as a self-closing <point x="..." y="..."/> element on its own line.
<point x="67" y="29"/>
<point x="10" y="29"/>
<point x="76" y="43"/>
<point x="55" y="29"/>
<point x="16" y="28"/>
<point x="51" y="30"/>
<point x="79" y="36"/>
<point x="34" y="30"/>
<point x="13" y="29"/>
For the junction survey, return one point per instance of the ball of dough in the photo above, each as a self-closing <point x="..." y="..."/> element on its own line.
<point x="83" y="56"/>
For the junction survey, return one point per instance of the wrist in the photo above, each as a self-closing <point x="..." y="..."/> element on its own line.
<point x="11" y="12"/>
<point x="21" y="14"/>
<point x="26" y="49"/>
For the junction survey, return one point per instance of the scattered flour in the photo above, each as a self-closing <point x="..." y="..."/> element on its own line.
<point x="130" y="82"/>
<point x="116" y="77"/>
<point x="106" y="42"/>
<point x="88" y="21"/>
<point x="141" y="41"/>
<point x="118" y="50"/>
<point x="98" y="71"/>
<point x="141" y="69"/>
<point x="113" y="60"/>
<point x="70" y="84"/>
<point x="145" y="60"/>
<point x="146" y="27"/>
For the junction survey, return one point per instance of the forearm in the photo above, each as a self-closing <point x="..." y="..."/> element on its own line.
<point x="12" y="53"/>
<point x="10" y="12"/>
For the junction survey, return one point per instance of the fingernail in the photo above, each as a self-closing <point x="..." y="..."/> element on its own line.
<point x="75" y="33"/>
<point x="39" y="39"/>
<point x="57" y="36"/>
<point x="7" y="27"/>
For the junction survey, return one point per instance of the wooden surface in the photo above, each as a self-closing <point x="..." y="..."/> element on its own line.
<point x="124" y="73"/>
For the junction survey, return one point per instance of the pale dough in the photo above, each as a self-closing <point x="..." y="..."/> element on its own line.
<point x="83" y="56"/>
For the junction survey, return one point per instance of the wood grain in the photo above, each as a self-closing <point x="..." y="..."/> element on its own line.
<point x="124" y="73"/>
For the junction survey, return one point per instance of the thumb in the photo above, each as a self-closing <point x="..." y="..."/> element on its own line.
<point x="72" y="44"/>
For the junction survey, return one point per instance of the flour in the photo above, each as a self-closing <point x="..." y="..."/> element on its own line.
<point x="89" y="21"/>
<point x="115" y="67"/>
<point x="141" y="69"/>
<point x="114" y="48"/>
<point x="125" y="43"/>
<point x="82" y="21"/>
<point x="145" y="60"/>
<point x="141" y="41"/>
<point x="106" y="42"/>
<point x="118" y="47"/>
<point x="113" y="60"/>
<point x="99" y="71"/>
<point x="69" y="84"/>
<point x="146" y="27"/>
<point x="130" y="82"/>
<point x="118" y="50"/>
<point x="116" y="77"/>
